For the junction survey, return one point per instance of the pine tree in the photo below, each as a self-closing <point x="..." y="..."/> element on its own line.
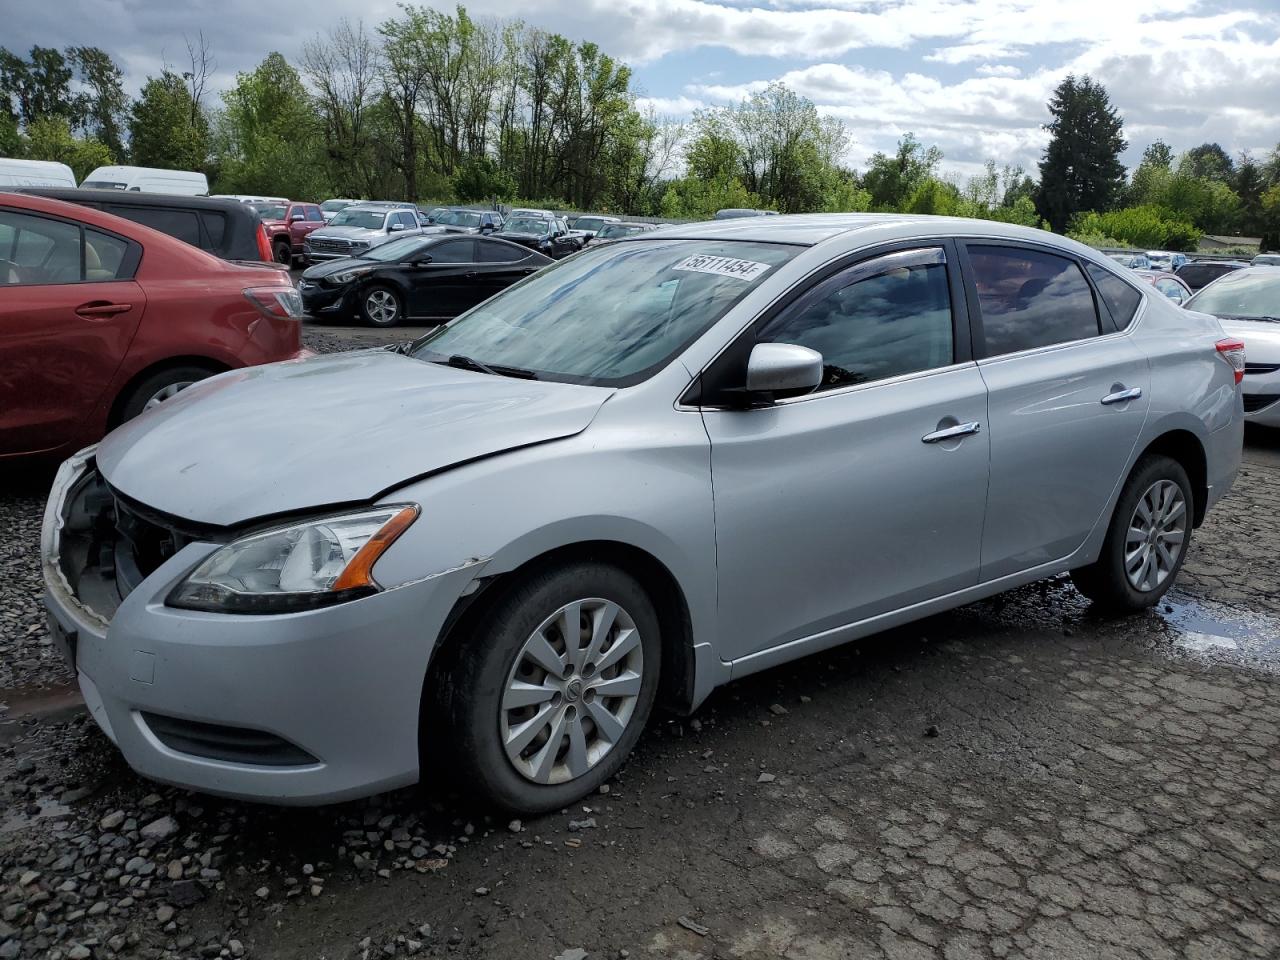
<point x="1081" y="169"/>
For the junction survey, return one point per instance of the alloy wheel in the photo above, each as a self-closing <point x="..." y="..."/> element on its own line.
<point x="165" y="392"/>
<point x="572" y="691"/>
<point x="381" y="306"/>
<point x="1156" y="535"/>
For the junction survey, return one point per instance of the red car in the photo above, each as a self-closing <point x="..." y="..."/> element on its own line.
<point x="287" y="226"/>
<point x="101" y="317"/>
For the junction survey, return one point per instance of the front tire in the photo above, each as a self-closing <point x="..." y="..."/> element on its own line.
<point x="1146" y="542"/>
<point x="283" y="253"/>
<point x="381" y="306"/>
<point x="551" y="690"/>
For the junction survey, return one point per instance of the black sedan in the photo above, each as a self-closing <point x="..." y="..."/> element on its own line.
<point x="420" y="277"/>
<point x="547" y="235"/>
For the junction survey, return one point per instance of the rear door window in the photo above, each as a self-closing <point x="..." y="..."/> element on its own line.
<point x="1121" y="298"/>
<point x="182" y="224"/>
<point x="314" y="215"/>
<point x="215" y="228"/>
<point x="1030" y="299"/>
<point x="491" y="252"/>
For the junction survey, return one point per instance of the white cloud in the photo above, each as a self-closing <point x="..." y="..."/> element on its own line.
<point x="998" y="70"/>
<point x="669" y="106"/>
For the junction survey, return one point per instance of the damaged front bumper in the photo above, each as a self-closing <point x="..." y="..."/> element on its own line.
<point x="300" y="708"/>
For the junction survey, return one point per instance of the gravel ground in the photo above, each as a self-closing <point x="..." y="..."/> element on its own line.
<point x="1017" y="778"/>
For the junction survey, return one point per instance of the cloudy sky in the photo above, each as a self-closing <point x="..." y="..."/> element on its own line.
<point x="970" y="75"/>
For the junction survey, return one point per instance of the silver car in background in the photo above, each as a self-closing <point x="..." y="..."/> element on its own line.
<point x="655" y="467"/>
<point x="358" y="227"/>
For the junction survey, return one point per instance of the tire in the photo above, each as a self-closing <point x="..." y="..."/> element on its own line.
<point x="381" y="306"/>
<point x="484" y="736"/>
<point x="283" y="253"/>
<point x="1128" y="587"/>
<point x="157" y="387"/>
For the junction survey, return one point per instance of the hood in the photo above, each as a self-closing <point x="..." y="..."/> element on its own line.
<point x="347" y="233"/>
<point x="1261" y="339"/>
<point x="330" y="267"/>
<point x="334" y="429"/>
<point x="525" y="238"/>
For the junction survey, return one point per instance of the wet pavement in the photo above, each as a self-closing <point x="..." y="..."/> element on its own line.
<point x="1017" y="778"/>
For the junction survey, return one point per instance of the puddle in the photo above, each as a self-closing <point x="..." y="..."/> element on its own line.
<point x="1218" y="632"/>
<point x="36" y="703"/>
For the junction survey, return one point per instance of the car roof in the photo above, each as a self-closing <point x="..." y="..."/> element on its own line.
<point x="134" y="197"/>
<point x="808" y="229"/>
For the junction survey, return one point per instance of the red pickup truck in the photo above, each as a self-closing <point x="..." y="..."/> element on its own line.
<point x="287" y="225"/>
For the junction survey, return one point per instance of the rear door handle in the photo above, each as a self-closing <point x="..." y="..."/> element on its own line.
<point x="471" y="276"/>
<point x="1120" y="396"/>
<point x="101" y="309"/>
<point x="952" y="433"/>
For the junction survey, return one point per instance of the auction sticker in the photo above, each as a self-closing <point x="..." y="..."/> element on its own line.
<point x="747" y="270"/>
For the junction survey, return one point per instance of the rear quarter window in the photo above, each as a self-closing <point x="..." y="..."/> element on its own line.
<point x="1120" y="297"/>
<point x="182" y="224"/>
<point x="215" y="227"/>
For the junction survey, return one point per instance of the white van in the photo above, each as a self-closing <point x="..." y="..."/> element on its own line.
<point x="35" y="173"/>
<point x="148" y="180"/>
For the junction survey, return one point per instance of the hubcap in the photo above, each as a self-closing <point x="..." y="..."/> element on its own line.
<point x="381" y="306"/>
<point x="572" y="691"/>
<point x="1157" y="532"/>
<point x="164" y="393"/>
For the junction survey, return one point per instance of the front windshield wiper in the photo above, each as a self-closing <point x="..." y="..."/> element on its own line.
<point x="1259" y="317"/>
<point x="497" y="370"/>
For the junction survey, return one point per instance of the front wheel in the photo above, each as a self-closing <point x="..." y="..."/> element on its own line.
<point x="381" y="306"/>
<point x="552" y="690"/>
<point x="283" y="254"/>
<point x="1146" y="542"/>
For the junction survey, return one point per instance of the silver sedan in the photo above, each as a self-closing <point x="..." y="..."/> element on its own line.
<point x="653" y="468"/>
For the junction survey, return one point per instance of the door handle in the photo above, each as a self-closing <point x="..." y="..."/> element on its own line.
<point x="1120" y="396"/>
<point x="470" y="276"/>
<point x="952" y="433"/>
<point x="102" y="309"/>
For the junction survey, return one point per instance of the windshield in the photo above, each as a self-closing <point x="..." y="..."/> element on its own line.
<point x="613" y="231"/>
<point x="589" y="223"/>
<point x="533" y="225"/>
<point x="459" y="218"/>
<point x="397" y="250"/>
<point x="1244" y="293"/>
<point x="368" y="219"/>
<point x="104" y="185"/>
<point x="269" y="211"/>
<point x="330" y="205"/>
<point x="611" y="315"/>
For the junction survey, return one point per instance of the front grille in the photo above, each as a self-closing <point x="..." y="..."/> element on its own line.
<point x="1257" y="368"/>
<point x="214" y="741"/>
<point x="325" y="245"/>
<point x="1253" y="402"/>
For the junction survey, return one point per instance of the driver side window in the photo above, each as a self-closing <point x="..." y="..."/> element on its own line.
<point x="880" y="318"/>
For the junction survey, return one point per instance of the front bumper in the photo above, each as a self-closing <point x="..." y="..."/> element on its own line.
<point x="320" y="298"/>
<point x="342" y="684"/>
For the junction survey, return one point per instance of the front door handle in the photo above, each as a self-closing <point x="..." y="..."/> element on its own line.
<point x="953" y="433"/>
<point x="470" y="276"/>
<point x="101" y="309"/>
<point x="1120" y="396"/>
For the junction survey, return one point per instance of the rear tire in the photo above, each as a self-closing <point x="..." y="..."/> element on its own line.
<point x="583" y="717"/>
<point x="283" y="253"/>
<point x="1146" y="542"/>
<point x="159" y="387"/>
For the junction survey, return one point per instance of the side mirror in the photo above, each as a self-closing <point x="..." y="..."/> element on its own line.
<point x="396" y="227"/>
<point x="783" y="369"/>
<point x="423" y="260"/>
<point x="296" y="217"/>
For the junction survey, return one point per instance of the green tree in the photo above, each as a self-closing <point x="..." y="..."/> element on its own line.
<point x="1143" y="226"/>
<point x="50" y="138"/>
<point x="1209" y="162"/>
<point x="891" y="181"/>
<point x="1081" y="168"/>
<point x="37" y="87"/>
<point x="268" y="139"/>
<point x="102" y="106"/>
<point x="1249" y="185"/>
<point x="166" y="127"/>
<point x="480" y="180"/>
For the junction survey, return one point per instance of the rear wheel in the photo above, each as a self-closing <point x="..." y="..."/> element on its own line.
<point x="1146" y="542"/>
<point x="381" y="306"/>
<point x="283" y="253"/>
<point x="553" y="687"/>
<point x="159" y="387"/>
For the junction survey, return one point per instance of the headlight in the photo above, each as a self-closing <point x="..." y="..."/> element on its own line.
<point x="359" y="244"/>
<point x="346" y="276"/>
<point x="299" y="567"/>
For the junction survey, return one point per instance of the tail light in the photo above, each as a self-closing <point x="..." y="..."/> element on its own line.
<point x="282" y="303"/>
<point x="1232" y="351"/>
<point x="264" y="244"/>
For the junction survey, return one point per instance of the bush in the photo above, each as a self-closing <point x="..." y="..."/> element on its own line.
<point x="480" y="180"/>
<point x="1142" y="226"/>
